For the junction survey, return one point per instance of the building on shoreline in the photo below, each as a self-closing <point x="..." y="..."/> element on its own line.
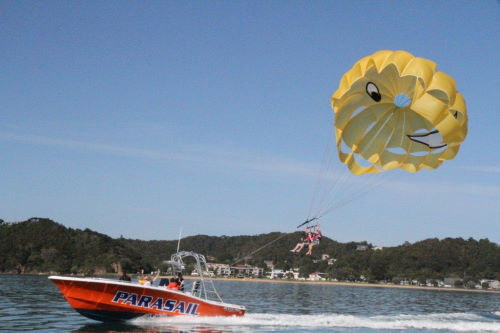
<point x="489" y="284"/>
<point x="225" y="270"/>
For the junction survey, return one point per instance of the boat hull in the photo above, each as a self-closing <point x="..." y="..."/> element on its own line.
<point x="109" y="300"/>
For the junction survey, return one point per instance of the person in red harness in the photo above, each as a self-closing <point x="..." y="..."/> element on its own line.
<point x="173" y="284"/>
<point x="315" y="240"/>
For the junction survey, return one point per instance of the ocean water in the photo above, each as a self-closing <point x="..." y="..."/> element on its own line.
<point x="33" y="303"/>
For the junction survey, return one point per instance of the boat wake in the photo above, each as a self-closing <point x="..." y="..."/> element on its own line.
<point x="459" y="322"/>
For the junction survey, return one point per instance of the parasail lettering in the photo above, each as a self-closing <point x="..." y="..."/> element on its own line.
<point x="150" y="302"/>
<point x="132" y="299"/>
<point x="144" y="301"/>
<point x="169" y="305"/>
<point x="179" y="307"/>
<point x="158" y="304"/>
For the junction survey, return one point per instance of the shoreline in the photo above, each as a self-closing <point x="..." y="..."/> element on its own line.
<point x="333" y="283"/>
<point x="360" y="284"/>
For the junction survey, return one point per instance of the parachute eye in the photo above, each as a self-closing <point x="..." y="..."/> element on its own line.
<point x="372" y="91"/>
<point x="456" y="114"/>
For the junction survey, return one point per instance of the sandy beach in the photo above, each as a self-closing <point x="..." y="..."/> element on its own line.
<point x="355" y="284"/>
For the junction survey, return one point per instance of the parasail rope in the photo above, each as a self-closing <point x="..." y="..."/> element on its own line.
<point x="324" y="168"/>
<point x="260" y="248"/>
<point x="360" y="193"/>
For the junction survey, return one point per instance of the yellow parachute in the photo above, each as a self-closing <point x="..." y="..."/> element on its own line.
<point x="394" y="110"/>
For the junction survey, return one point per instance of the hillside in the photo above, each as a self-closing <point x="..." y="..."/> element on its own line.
<point x="42" y="245"/>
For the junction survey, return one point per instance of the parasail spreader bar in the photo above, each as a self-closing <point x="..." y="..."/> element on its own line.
<point x="308" y="221"/>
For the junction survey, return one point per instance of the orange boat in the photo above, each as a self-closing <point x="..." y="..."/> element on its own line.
<point x="112" y="300"/>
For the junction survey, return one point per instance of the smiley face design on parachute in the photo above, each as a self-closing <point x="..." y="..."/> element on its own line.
<point x="394" y="110"/>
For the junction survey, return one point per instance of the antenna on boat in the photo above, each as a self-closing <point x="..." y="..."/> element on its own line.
<point x="179" y="241"/>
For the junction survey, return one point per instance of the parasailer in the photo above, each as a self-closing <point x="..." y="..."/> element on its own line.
<point x="394" y="110"/>
<point x="311" y="238"/>
<point x="316" y="238"/>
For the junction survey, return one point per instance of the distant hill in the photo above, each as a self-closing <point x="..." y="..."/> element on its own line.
<point x="42" y="245"/>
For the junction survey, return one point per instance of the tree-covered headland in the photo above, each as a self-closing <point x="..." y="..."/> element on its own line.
<point x="41" y="245"/>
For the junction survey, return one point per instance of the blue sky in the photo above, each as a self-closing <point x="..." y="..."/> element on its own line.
<point x="138" y="118"/>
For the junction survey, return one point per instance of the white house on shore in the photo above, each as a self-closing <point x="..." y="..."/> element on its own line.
<point x="276" y="274"/>
<point x="238" y="271"/>
<point x="316" y="276"/>
<point x="246" y="270"/>
<point x="219" y="269"/>
<point x="492" y="284"/>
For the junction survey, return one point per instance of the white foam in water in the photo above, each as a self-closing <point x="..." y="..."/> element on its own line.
<point x="459" y="322"/>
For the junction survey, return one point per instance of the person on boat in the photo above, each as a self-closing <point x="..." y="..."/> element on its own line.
<point x="173" y="284"/>
<point x="142" y="278"/>
<point x="180" y="281"/>
<point x="316" y="237"/>
<point x="303" y="241"/>
<point x="125" y="277"/>
<point x="148" y="280"/>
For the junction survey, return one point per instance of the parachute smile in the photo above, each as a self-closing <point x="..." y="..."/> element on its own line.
<point x="432" y="139"/>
